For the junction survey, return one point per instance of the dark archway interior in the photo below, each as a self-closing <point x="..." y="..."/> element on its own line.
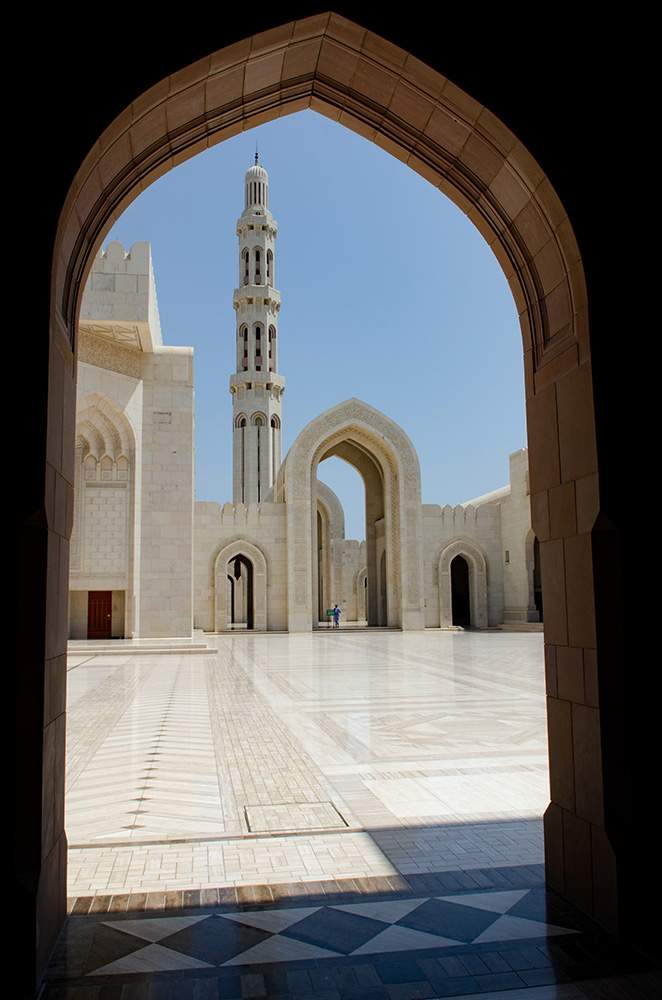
<point x="242" y="598"/>
<point x="461" y="604"/>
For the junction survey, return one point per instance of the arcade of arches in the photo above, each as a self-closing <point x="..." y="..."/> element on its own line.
<point x="336" y="67"/>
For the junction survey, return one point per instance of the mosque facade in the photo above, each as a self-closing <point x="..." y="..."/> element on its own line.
<point x="149" y="561"/>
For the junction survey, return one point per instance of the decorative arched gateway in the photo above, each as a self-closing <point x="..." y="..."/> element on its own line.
<point x="475" y="559"/>
<point x="387" y="94"/>
<point x="231" y="558"/>
<point x="385" y="457"/>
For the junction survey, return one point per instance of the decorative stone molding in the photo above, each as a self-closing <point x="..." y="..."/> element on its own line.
<point x="104" y="353"/>
<point x="221" y="610"/>
<point x="477" y="582"/>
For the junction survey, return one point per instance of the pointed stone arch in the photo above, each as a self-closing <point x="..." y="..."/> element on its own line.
<point x="390" y="96"/>
<point x="387" y="460"/>
<point x="477" y="562"/>
<point x="240" y="547"/>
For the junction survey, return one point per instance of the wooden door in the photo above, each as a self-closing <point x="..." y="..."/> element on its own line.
<point x="99" y="614"/>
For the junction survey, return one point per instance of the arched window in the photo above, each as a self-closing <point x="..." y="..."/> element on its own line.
<point x="270" y="267"/>
<point x="242" y="347"/>
<point x="258" y="347"/>
<point x="258" y="266"/>
<point x="272" y="349"/>
<point x="258" y="421"/>
<point x="246" y="276"/>
<point x="275" y="449"/>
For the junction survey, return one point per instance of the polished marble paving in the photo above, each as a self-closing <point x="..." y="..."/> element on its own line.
<point x="288" y="757"/>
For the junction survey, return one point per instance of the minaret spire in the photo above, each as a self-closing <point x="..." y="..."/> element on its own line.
<point x="256" y="387"/>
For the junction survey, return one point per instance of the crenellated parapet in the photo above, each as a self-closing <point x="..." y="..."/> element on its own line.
<point x="120" y="303"/>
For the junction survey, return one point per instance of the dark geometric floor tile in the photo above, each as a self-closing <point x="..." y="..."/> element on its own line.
<point x="368" y="993"/>
<point x="517" y="960"/>
<point x="229" y="985"/>
<point x="336" y="930"/>
<point x="494" y="962"/>
<point x="499" y="981"/>
<point x="276" y="981"/>
<point x="108" y="945"/>
<point x="321" y="978"/>
<point x="345" y="979"/>
<point x="299" y="981"/>
<point x="214" y="940"/>
<point x="366" y="975"/>
<point x="475" y="965"/>
<point x="452" y="966"/>
<point x="433" y="972"/>
<point x="437" y="916"/>
<point x="410" y="991"/>
<point x="399" y="968"/>
<point x="457" y="986"/>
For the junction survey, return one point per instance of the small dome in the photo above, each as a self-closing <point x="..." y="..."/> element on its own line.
<point x="257" y="173"/>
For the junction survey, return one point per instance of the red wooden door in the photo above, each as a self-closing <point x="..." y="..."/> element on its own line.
<point x="99" y="614"/>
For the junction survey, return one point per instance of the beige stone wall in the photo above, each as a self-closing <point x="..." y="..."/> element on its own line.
<point x="133" y="506"/>
<point x="78" y="614"/>
<point x="263" y="526"/>
<point x="348" y="558"/>
<point x="443" y="526"/>
<point x="517" y="541"/>
<point x="166" y="522"/>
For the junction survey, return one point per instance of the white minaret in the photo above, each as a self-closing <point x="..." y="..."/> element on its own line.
<point x="256" y="388"/>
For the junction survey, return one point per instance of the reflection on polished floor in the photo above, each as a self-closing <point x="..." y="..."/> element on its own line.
<point x="355" y="754"/>
<point x="331" y="816"/>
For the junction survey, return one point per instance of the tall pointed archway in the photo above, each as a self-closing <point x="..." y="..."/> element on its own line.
<point x="388" y="95"/>
<point x="387" y="461"/>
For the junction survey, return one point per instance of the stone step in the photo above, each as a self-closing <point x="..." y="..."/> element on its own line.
<point x="521" y="627"/>
<point x="124" y="647"/>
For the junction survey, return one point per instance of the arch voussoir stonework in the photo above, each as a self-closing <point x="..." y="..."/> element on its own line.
<point x="477" y="562"/>
<point x="240" y="547"/>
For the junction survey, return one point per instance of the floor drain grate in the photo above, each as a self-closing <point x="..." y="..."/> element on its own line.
<point x="293" y="817"/>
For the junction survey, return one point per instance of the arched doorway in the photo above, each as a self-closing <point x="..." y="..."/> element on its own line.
<point x="240" y="586"/>
<point x="242" y="609"/>
<point x="460" y="603"/>
<point x="463" y="585"/>
<point x="388" y="95"/>
<point x="385" y="458"/>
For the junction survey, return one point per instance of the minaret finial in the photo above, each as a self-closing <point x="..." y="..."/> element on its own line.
<point x="257" y="155"/>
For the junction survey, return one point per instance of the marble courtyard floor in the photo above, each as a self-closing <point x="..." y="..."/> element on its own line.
<point x="285" y="757"/>
<point x="340" y="816"/>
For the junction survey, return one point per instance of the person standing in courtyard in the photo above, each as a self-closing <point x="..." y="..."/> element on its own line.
<point x="336" y="616"/>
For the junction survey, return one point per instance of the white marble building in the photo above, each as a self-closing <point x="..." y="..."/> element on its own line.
<point x="149" y="561"/>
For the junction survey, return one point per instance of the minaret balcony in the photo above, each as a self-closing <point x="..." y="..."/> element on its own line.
<point x="258" y="293"/>
<point x="240" y="379"/>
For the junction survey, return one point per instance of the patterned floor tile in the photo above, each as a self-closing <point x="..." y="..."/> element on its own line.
<point x="332" y="928"/>
<point x="215" y="940"/>
<point x="396" y="938"/>
<point x="438" y="916"/>
<point x="153" y="958"/>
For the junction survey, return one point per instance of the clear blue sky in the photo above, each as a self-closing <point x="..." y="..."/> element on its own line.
<point x="389" y="294"/>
